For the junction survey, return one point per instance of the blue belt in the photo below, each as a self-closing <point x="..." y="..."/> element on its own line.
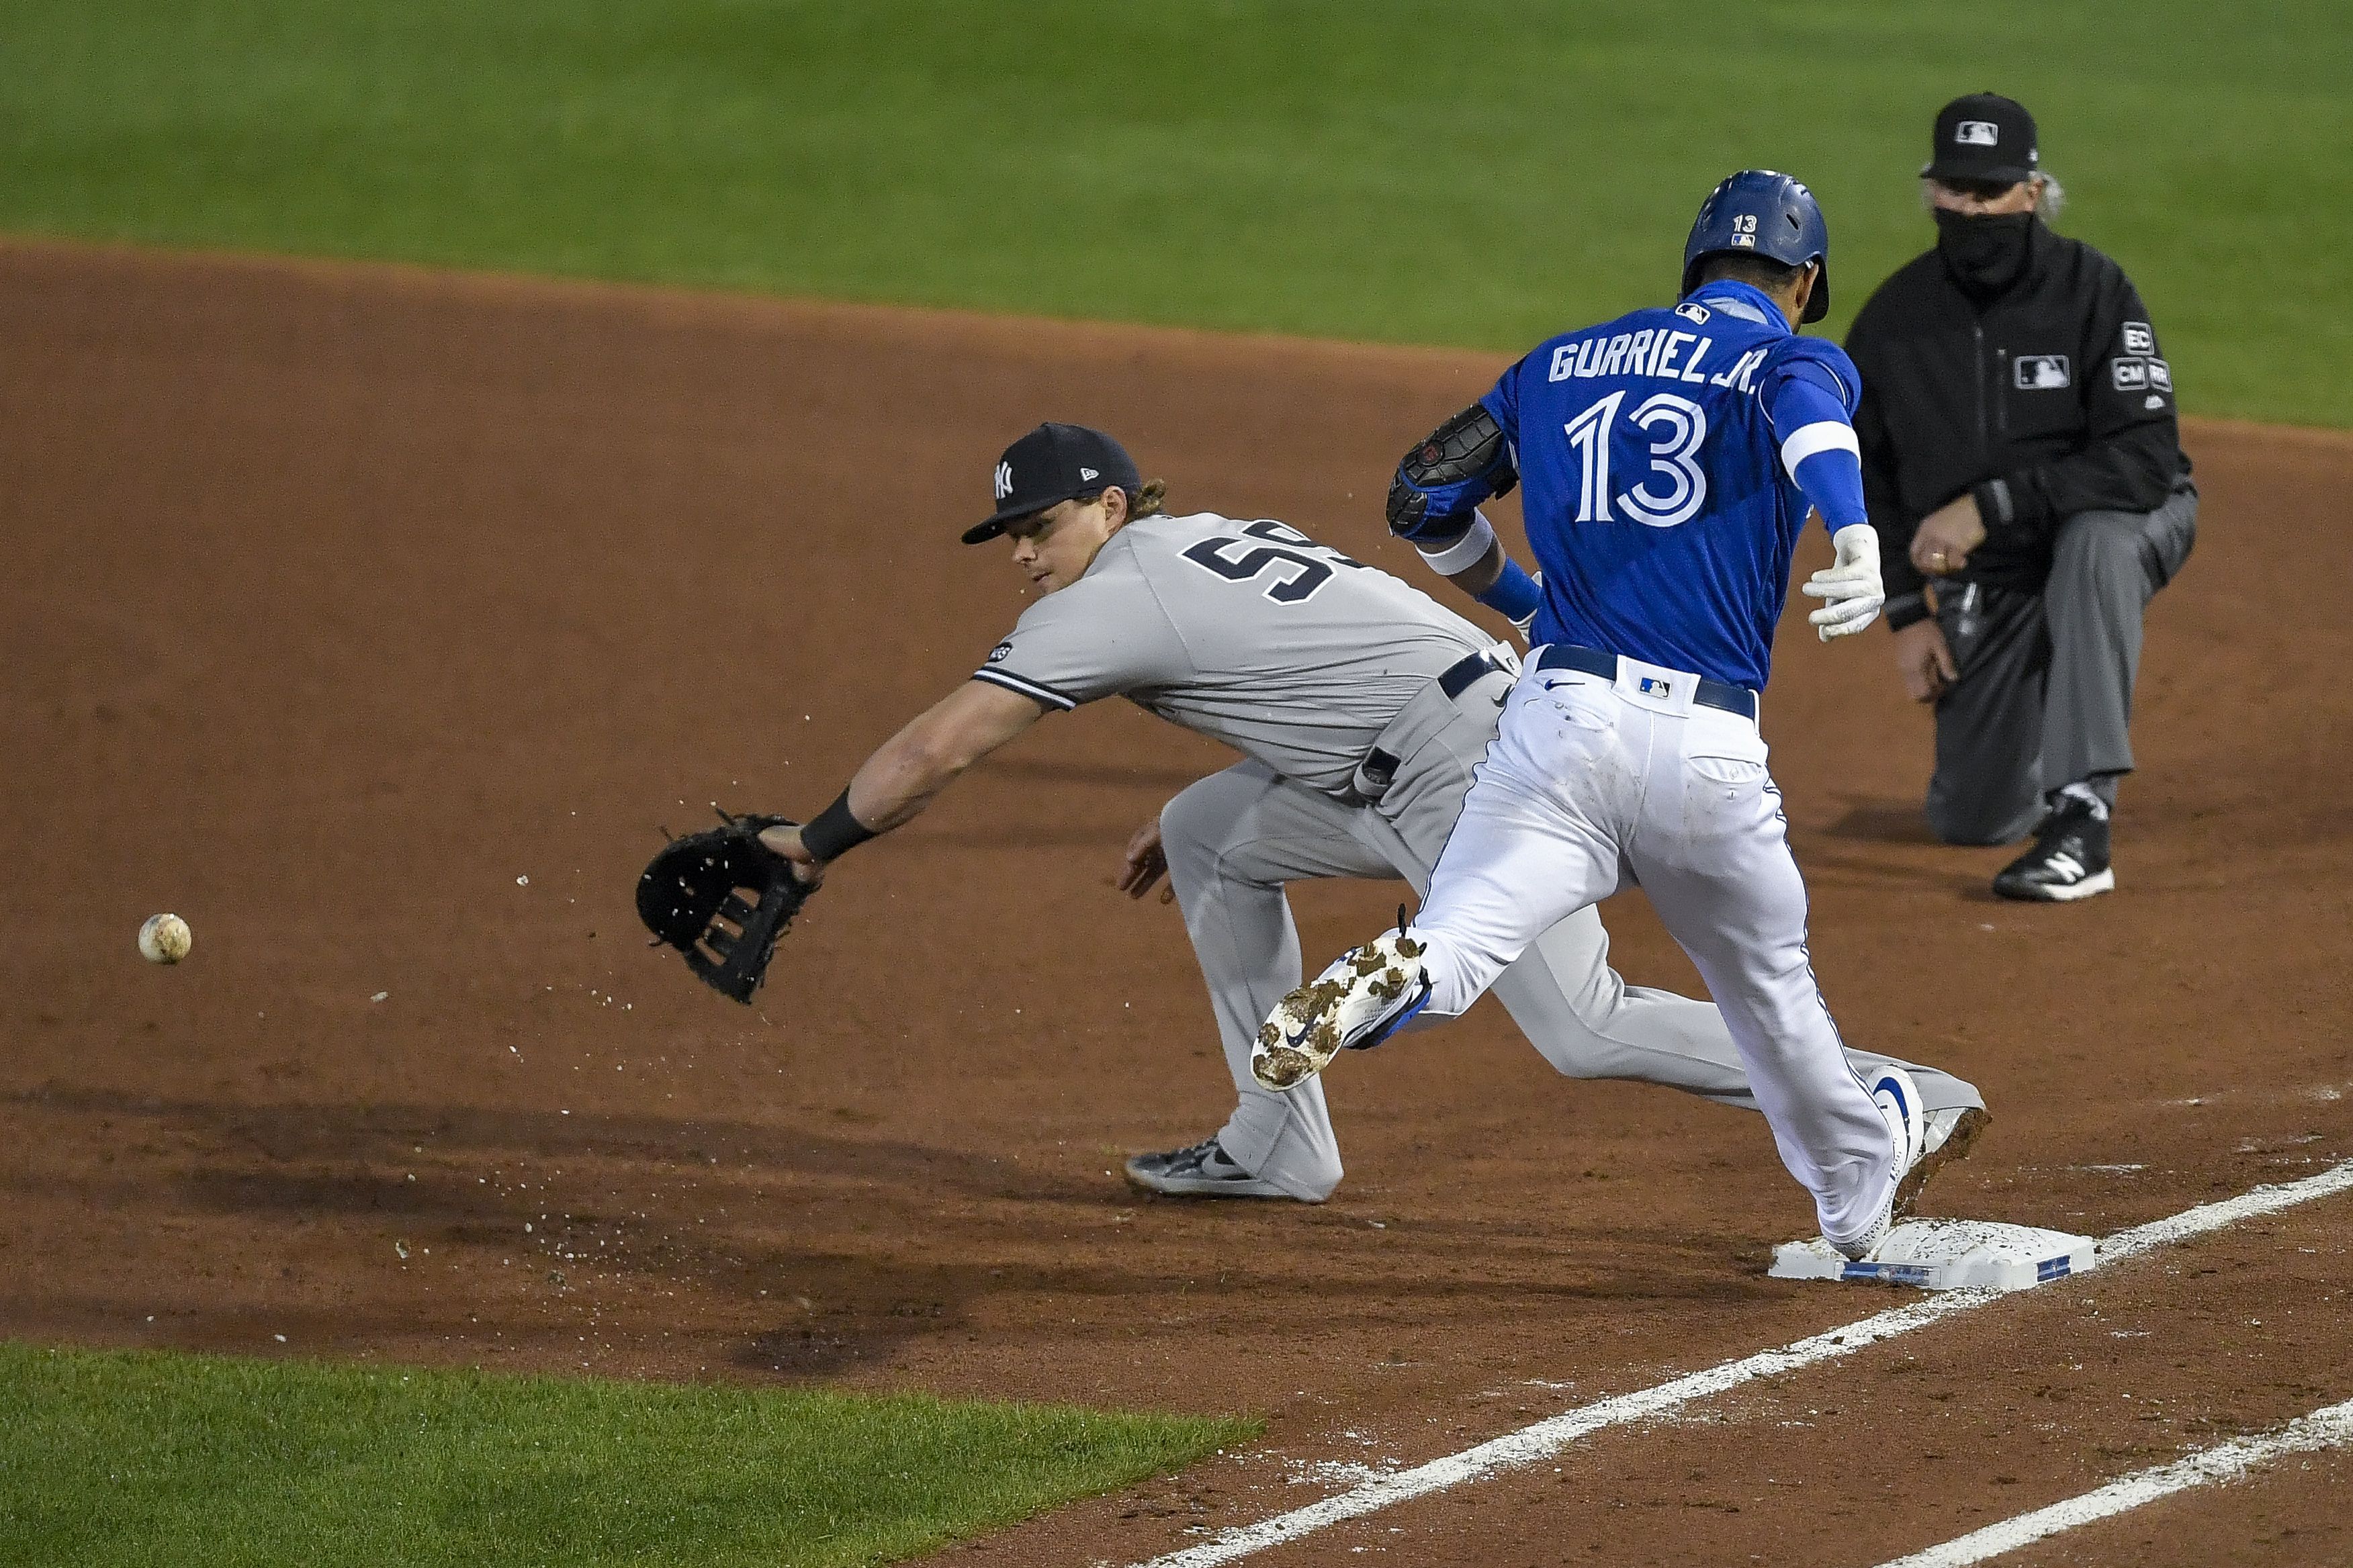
<point x="1593" y="661"/>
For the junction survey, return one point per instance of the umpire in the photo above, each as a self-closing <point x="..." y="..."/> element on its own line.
<point x="2021" y="457"/>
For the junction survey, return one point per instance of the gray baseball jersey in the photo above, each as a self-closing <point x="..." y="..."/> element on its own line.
<point x="1248" y="632"/>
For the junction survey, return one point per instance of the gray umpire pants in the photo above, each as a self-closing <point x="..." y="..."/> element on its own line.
<point x="2044" y="697"/>
<point x="1235" y="838"/>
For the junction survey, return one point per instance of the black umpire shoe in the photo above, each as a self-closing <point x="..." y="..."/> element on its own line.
<point x="2069" y="861"/>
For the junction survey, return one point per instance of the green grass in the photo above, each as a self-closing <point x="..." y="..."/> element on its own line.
<point x="142" y="1457"/>
<point x="1480" y="172"/>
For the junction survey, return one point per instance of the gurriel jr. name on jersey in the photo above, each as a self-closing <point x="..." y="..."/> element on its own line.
<point x="1667" y="355"/>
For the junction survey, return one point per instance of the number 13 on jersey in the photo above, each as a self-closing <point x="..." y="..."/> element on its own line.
<point x="1677" y="426"/>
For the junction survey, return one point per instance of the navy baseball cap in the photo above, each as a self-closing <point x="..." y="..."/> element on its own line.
<point x="1984" y="136"/>
<point x="1051" y="464"/>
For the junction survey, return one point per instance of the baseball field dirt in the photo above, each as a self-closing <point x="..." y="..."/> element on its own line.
<point x="379" y="621"/>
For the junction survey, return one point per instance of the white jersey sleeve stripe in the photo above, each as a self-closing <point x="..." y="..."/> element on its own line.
<point x="1822" y="436"/>
<point x="1029" y="688"/>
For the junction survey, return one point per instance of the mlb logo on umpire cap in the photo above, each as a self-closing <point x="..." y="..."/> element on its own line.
<point x="1983" y="137"/>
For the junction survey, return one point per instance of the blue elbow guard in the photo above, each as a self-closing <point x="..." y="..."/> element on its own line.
<point x="1515" y="593"/>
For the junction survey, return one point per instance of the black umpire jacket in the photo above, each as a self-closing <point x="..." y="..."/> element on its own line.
<point x="2046" y="400"/>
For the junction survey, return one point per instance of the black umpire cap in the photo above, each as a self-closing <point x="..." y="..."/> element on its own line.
<point x="1051" y="464"/>
<point x="1984" y="136"/>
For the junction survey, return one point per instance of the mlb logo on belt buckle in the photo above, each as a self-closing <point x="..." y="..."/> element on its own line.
<point x="1655" y="687"/>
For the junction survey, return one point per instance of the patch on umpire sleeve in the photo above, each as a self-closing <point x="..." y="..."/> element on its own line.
<point x="998" y="653"/>
<point x="2129" y="374"/>
<point x="2160" y="375"/>
<point x="2140" y="339"/>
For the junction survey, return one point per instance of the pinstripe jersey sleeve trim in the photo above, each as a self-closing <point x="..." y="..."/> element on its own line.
<point x="1029" y="688"/>
<point x="1822" y="436"/>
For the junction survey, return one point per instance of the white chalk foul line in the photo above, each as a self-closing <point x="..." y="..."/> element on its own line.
<point x="2330" y="1428"/>
<point x="1549" y="1437"/>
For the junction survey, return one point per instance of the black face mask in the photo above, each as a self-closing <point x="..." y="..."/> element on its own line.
<point x="1986" y="253"/>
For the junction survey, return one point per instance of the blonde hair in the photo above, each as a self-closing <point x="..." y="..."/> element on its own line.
<point x="1144" y="500"/>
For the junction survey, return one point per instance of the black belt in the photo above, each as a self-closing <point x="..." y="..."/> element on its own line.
<point x="1380" y="768"/>
<point x="1460" y="676"/>
<point x="1593" y="661"/>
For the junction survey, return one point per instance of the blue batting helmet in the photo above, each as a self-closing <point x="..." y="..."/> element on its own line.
<point x="1761" y="212"/>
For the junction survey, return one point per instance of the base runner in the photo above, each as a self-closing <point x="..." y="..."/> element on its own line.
<point x="1670" y="459"/>
<point x="1361" y="705"/>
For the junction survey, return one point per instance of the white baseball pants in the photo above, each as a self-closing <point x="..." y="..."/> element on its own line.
<point x="1592" y="783"/>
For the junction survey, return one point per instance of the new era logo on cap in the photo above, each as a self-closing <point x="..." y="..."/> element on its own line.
<point x="1978" y="133"/>
<point x="1088" y="474"/>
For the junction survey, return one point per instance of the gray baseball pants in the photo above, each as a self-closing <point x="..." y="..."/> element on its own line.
<point x="1235" y="838"/>
<point x="2044" y="697"/>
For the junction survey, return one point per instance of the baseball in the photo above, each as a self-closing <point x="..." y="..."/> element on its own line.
<point x="164" y="938"/>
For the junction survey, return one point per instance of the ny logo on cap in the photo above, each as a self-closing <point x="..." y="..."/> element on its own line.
<point x="1978" y="133"/>
<point x="1004" y="481"/>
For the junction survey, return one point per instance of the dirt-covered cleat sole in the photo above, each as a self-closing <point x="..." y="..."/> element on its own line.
<point x="1950" y="1136"/>
<point x="1355" y="1005"/>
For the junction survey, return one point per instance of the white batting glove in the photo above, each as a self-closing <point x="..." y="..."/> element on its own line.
<point x="1527" y="628"/>
<point x="1850" y="588"/>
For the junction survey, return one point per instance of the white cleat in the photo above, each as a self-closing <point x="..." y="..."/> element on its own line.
<point x="1898" y="1099"/>
<point x="1355" y="1005"/>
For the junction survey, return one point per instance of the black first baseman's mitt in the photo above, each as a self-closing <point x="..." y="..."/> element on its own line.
<point x="722" y="898"/>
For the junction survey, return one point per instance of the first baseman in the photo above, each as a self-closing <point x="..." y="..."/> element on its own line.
<point x="1670" y="457"/>
<point x="1361" y="705"/>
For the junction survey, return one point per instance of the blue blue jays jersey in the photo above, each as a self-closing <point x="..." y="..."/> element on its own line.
<point x="1656" y="495"/>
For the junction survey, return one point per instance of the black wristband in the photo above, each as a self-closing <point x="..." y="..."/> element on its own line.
<point x="833" y="832"/>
